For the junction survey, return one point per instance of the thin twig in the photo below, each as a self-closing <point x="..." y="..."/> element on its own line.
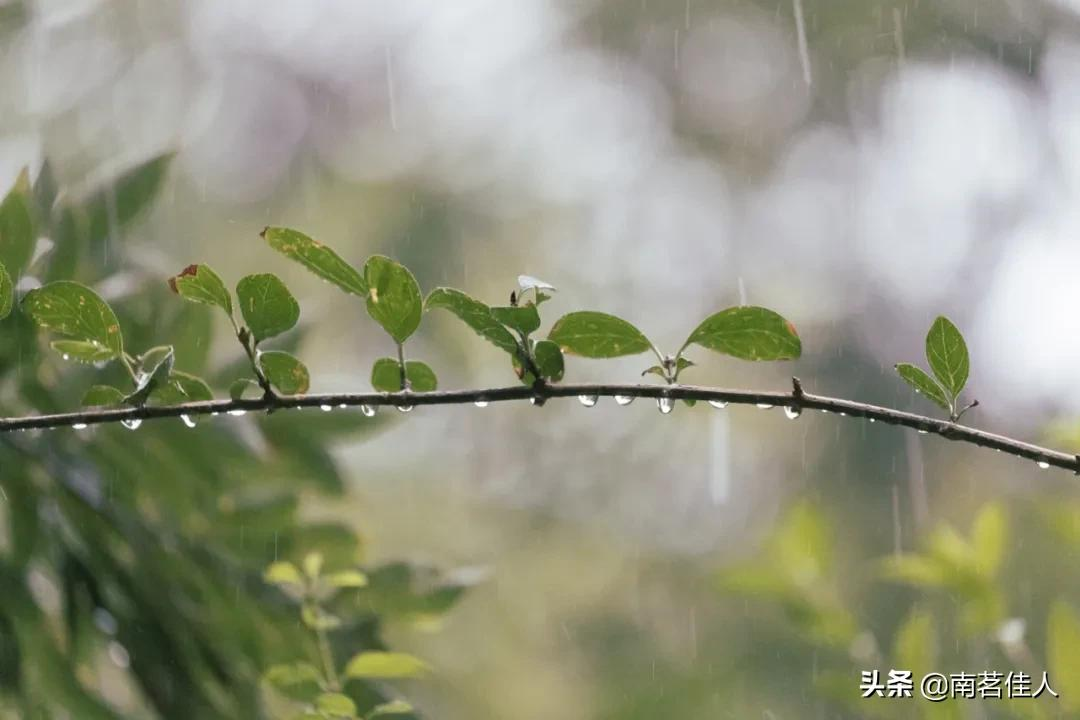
<point x="798" y="398"/>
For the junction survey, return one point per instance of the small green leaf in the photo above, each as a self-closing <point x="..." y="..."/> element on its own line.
<point x="318" y="619"/>
<point x="597" y="335"/>
<point x="283" y="573"/>
<point x="82" y="351"/>
<point x="76" y="311"/>
<point x="748" y="333"/>
<point x="7" y="292"/>
<point x="654" y="370"/>
<point x="1063" y="653"/>
<point x="549" y="360"/>
<point x="285" y="372"/>
<point x="193" y="387"/>
<point x="336" y="705"/>
<point x="241" y="386"/>
<point x="375" y="664"/>
<point x="923" y="383"/>
<point x="313" y="564"/>
<point x="475" y="314"/>
<point x="525" y="319"/>
<point x="17" y="235"/>
<point x="155" y="367"/>
<point x="317" y="258"/>
<point x="100" y="395"/>
<point x="299" y="681"/>
<point x="393" y="297"/>
<point x="947" y="354"/>
<point x="346" y="579"/>
<point x="394" y="707"/>
<point x="198" y="283"/>
<point x="988" y="539"/>
<point x="268" y="307"/>
<point x="386" y="376"/>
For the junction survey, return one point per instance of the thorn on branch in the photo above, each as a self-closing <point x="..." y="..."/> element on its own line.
<point x="796" y="388"/>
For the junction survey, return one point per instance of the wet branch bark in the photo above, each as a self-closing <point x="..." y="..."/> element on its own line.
<point x="797" y="398"/>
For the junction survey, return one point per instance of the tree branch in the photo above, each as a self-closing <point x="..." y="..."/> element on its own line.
<point x="798" y="399"/>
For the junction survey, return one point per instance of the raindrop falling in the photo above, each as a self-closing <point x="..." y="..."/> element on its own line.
<point x="481" y="403"/>
<point x="587" y="400"/>
<point x="404" y="408"/>
<point x="326" y="408"/>
<point x="238" y="413"/>
<point x="131" y="424"/>
<point x="368" y="410"/>
<point x="624" y="399"/>
<point x="765" y="406"/>
<point x="188" y="421"/>
<point x="1043" y="464"/>
<point x="792" y="411"/>
<point x="718" y="404"/>
<point x="665" y="404"/>
<point x="79" y="426"/>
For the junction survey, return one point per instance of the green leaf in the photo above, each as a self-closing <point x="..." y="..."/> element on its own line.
<point x="100" y="395"/>
<point x="346" y="579"/>
<point x="915" y="647"/>
<point x="198" y="283"/>
<point x="155" y="367"/>
<point x="386" y="376"/>
<point x="300" y="681"/>
<point x="76" y="311"/>
<point x="285" y="372"/>
<point x="194" y="388"/>
<point x="318" y="619"/>
<point x="394" y="707"/>
<point x="597" y="335"/>
<point x="947" y="354"/>
<point x="393" y="297"/>
<point x="283" y="573"/>
<point x="748" y="333"/>
<point x="313" y="564"/>
<point x="549" y="360"/>
<point x="524" y="319"/>
<point x="1063" y="653"/>
<point x="923" y="383"/>
<point x="475" y="314"/>
<point x="240" y="386"/>
<point x="17" y="235"/>
<point x="317" y="258"/>
<point x="988" y="538"/>
<point x="82" y="351"/>
<point x="7" y="292"/>
<point x="375" y="664"/>
<point x="268" y="307"/>
<point x="336" y="705"/>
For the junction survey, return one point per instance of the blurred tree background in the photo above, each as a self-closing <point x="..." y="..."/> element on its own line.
<point x="858" y="165"/>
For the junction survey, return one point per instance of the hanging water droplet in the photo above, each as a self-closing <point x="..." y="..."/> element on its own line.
<point x="66" y="356"/>
<point x="587" y="400"/>
<point x="405" y="408"/>
<point x="665" y="404"/>
<point x="343" y="406"/>
<point x="238" y="413"/>
<point x="718" y="404"/>
<point x="481" y="403"/>
<point x="79" y="426"/>
<point x="764" y="406"/>
<point x="923" y="432"/>
<point x="792" y="411"/>
<point x="871" y="419"/>
<point x="1043" y="464"/>
<point x="326" y="408"/>
<point x="131" y="424"/>
<point x="187" y="420"/>
<point x="368" y="410"/>
<point x="624" y="399"/>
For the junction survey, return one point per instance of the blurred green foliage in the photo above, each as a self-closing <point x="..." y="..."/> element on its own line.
<point x="132" y="561"/>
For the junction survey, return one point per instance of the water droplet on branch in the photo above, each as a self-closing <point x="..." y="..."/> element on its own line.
<point x="131" y="424"/>
<point x="624" y="399"/>
<point x="188" y="421"/>
<point x="718" y="404"/>
<point x="792" y="411"/>
<point x="368" y="410"/>
<point x="481" y="403"/>
<point x="665" y="404"/>
<point x="587" y="400"/>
